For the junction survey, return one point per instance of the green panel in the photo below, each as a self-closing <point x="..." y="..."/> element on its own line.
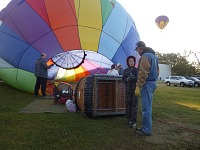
<point x="8" y="75"/>
<point x="26" y="81"/>
<point x="18" y="79"/>
<point x="106" y="6"/>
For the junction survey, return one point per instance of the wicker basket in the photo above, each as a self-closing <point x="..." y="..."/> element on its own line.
<point x="100" y="95"/>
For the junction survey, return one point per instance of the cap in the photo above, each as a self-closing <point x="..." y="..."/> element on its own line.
<point x="139" y="44"/>
<point x="118" y="64"/>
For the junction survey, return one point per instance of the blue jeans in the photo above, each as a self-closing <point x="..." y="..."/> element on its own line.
<point x="147" y="97"/>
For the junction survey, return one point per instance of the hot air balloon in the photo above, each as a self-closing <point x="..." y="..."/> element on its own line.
<point x="79" y="37"/>
<point x="162" y="21"/>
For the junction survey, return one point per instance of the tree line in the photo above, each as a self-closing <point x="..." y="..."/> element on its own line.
<point x="179" y="64"/>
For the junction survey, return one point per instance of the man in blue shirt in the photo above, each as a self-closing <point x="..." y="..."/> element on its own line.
<point x="148" y="72"/>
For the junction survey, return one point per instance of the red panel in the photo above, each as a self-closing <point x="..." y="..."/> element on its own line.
<point x="39" y="7"/>
<point x="60" y="13"/>
<point x="73" y="6"/>
<point x="68" y="38"/>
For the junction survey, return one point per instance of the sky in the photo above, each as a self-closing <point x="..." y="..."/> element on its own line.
<point x="182" y="33"/>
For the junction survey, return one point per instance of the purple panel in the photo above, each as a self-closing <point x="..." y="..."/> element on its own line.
<point x="13" y="5"/>
<point x="48" y="44"/>
<point x="3" y="14"/>
<point x="9" y="24"/>
<point x="29" y="23"/>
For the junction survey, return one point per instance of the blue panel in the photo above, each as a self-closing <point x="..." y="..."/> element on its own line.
<point x="11" y="49"/>
<point x="107" y="46"/>
<point x="127" y="47"/>
<point x="116" y="22"/>
<point x="129" y="42"/>
<point x="28" y="60"/>
<point x="129" y="26"/>
<point x="5" y="29"/>
<point x="120" y="57"/>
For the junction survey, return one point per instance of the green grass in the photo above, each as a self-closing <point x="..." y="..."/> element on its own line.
<point x="176" y="114"/>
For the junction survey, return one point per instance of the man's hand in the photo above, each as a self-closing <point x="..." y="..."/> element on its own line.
<point x="137" y="91"/>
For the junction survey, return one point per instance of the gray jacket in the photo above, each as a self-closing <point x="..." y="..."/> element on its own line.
<point x="41" y="68"/>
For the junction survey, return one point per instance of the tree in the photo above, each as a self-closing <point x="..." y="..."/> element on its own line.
<point x="179" y="64"/>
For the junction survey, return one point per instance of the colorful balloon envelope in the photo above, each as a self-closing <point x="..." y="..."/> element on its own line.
<point x="81" y="37"/>
<point x="162" y="21"/>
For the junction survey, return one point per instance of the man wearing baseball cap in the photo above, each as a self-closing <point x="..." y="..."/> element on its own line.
<point x="140" y="45"/>
<point x="148" y="71"/>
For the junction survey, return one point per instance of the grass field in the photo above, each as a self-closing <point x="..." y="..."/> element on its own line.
<point x="176" y="124"/>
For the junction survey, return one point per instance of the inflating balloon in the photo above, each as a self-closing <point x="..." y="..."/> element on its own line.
<point x="81" y="37"/>
<point x="162" y="21"/>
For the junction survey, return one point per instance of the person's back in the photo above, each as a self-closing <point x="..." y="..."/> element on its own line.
<point x="41" y="68"/>
<point x="153" y="69"/>
<point x="112" y="71"/>
<point x="41" y="75"/>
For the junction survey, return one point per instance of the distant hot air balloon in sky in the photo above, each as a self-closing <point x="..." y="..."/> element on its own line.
<point x="162" y="21"/>
<point x="81" y="37"/>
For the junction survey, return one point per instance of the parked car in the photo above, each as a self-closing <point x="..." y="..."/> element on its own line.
<point x="198" y="78"/>
<point x="178" y="80"/>
<point x="196" y="81"/>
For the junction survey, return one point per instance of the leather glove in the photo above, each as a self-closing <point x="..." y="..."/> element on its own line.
<point x="137" y="91"/>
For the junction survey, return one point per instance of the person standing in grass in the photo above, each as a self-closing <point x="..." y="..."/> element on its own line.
<point x="129" y="78"/>
<point x="148" y="72"/>
<point x="41" y="75"/>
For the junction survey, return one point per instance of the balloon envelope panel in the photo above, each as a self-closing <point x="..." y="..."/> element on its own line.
<point x="101" y="28"/>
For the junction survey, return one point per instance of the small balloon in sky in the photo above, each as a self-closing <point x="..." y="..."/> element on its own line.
<point x="162" y="21"/>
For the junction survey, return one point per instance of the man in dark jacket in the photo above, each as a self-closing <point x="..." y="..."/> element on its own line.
<point x="41" y="75"/>
<point x="129" y="78"/>
<point x="148" y="71"/>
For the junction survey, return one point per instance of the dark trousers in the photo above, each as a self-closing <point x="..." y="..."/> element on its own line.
<point x="41" y="81"/>
<point x="131" y="107"/>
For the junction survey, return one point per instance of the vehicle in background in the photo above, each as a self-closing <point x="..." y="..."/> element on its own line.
<point x="196" y="81"/>
<point x="178" y="80"/>
<point x="198" y="78"/>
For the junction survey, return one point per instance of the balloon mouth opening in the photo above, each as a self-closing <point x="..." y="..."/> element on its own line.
<point x="69" y="59"/>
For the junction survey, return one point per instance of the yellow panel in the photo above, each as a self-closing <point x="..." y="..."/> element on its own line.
<point x="90" y="14"/>
<point x="89" y="38"/>
<point x="71" y="76"/>
<point x="77" y="2"/>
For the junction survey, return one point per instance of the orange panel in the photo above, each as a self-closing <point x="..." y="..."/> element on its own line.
<point x="80" y="73"/>
<point x="68" y="37"/>
<point x="50" y="62"/>
<point x="60" y="13"/>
